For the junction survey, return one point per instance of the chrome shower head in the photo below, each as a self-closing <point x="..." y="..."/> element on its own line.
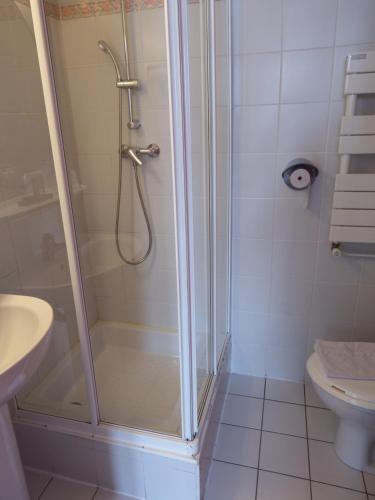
<point x="107" y="50"/>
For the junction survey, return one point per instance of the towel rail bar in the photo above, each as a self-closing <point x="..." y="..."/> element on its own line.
<point x="338" y="252"/>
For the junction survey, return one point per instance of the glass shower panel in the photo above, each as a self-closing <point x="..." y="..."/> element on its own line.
<point x="132" y="308"/>
<point x="33" y="258"/>
<point x="200" y="174"/>
<point x="223" y="168"/>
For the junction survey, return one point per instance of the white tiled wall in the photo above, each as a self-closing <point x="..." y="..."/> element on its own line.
<point x="88" y="99"/>
<point x="289" y="58"/>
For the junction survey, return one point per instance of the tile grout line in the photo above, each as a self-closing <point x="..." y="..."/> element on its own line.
<point x="45" y="488"/>
<point x="260" y="440"/>
<point x="364" y="483"/>
<point x="95" y="493"/>
<point x="288" y="475"/>
<point x="307" y="441"/>
<point x="275" y="432"/>
<point x="277" y="401"/>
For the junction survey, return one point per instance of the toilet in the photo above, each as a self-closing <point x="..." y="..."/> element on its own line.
<point x="353" y="402"/>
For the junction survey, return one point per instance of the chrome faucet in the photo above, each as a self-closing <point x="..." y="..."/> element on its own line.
<point x="152" y="150"/>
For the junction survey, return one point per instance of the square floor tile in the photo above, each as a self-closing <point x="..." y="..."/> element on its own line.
<point x="58" y="489"/>
<point x="246" y="386"/>
<point x="327" y="468"/>
<point x="285" y="418"/>
<point x="272" y="486"/>
<point x="321" y="424"/>
<point x="230" y="481"/>
<point x="312" y="399"/>
<point x="36" y="483"/>
<point x="284" y="390"/>
<point x="104" y="494"/>
<point x="284" y="454"/>
<point x="327" y="492"/>
<point x="370" y="483"/>
<point x="237" y="445"/>
<point x="241" y="410"/>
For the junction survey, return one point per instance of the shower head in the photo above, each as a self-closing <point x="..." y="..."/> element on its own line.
<point x="107" y="50"/>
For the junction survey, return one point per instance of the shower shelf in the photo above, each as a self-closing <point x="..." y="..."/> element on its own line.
<point x="353" y="210"/>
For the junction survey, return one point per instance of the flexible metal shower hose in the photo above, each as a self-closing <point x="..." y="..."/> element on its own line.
<point x="140" y="196"/>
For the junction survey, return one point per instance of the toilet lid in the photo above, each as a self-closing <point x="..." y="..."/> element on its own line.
<point x="362" y="390"/>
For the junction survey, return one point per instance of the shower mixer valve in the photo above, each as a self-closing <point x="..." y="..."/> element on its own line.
<point x="152" y="150"/>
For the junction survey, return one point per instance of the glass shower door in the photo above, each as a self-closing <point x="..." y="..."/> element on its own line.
<point x="33" y="256"/>
<point x="133" y="311"/>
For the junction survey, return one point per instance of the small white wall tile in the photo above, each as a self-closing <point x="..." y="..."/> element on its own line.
<point x="242" y="411"/>
<point x="253" y="175"/>
<point x="293" y="223"/>
<point x="250" y="326"/>
<point x="237" y="445"/>
<point x="164" y="476"/>
<point x="287" y="362"/>
<point x="284" y="454"/>
<point x="284" y="418"/>
<point x="294" y="260"/>
<point x="255" y="129"/>
<point x="355" y="22"/>
<point x="334" y="302"/>
<point x="335" y="270"/>
<point x="287" y="330"/>
<point x="248" y="357"/>
<point x="327" y="468"/>
<point x="303" y="127"/>
<point x="252" y="295"/>
<point x="309" y="24"/>
<point x="252" y="257"/>
<point x="306" y="76"/>
<point x="258" y="26"/>
<point x="256" y="78"/>
<point x="253" y="218"/>
<point x="224" y="479"/>
<point x="325" y="491"/>
<point x="271" y="486"/>
<point x="290" y="296"/>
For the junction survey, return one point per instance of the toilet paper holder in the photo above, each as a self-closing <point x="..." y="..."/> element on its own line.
<point x="300" y="175"/>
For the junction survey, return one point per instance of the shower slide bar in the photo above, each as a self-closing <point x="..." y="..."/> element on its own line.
<point x="353" y="210"/>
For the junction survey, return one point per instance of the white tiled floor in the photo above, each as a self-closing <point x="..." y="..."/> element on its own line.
<point x="43" y="487"/>
<point x="275" y="443"/>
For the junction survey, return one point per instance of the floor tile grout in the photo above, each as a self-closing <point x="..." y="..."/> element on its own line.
<point x="274" y="432"/>
<point x="277" y="401"/>
<point x="287" y="475"/>
<point x="260" y="440"/>
<point x="45" y="488"/>
<point x="307" y="442"/>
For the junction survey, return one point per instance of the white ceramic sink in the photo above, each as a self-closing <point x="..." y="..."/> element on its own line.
<point x="25" y="324"/>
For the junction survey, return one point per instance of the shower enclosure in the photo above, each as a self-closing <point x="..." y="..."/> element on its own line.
<point x="124" y="224"/>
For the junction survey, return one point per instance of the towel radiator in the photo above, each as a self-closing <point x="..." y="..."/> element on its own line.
<point x="353" y="211"/>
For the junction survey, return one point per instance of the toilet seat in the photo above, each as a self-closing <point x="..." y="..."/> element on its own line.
<point x="357" y="392"/>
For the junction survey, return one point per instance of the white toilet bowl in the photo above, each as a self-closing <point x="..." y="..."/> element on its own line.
<point x="353" y="401"/>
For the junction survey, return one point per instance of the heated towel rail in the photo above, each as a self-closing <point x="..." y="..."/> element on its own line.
<point x="353" y="211"/>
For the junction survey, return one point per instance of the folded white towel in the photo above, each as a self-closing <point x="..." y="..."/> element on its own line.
<point x="349" y="360"/>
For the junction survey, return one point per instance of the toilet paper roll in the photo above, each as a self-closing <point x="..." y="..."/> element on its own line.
<point x="300" y="178"/>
